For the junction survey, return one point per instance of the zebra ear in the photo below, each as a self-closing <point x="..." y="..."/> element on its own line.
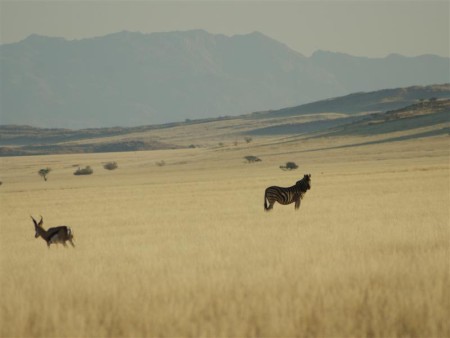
<point x="34" y="221"/>
<point x="41" y="221"/>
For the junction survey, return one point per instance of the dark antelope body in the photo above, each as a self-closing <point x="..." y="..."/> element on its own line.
<point x="59" y="234"/>
<point x="287" y="195"/>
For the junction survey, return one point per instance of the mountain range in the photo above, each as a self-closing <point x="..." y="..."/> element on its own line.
<point x="130" y="79"/>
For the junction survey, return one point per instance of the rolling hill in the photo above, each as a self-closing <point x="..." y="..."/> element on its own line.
<point x="380" y="100"/>
<point x="432" y="113"/>
<point x="131" y="79"/>
<point x="421" y="108"/>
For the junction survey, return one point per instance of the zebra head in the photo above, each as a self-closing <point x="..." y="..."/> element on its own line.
<point x="308" y="178"/>
<point x="305" y="182"/>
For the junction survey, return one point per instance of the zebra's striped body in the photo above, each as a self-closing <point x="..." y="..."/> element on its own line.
<point x="287" y="195"/>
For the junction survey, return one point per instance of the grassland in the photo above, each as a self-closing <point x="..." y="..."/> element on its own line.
<point x="186" y="250"/>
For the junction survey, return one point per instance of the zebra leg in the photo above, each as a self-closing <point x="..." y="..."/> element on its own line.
<point x="71" y="242"/>
<point x="297" y="202"/>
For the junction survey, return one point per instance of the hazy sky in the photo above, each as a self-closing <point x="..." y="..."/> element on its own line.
<point x="362" y="28"/>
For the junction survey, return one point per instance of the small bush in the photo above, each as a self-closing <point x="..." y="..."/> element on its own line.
<point x="85" y="171"/>
<point x="110" y="165"/>
<point x="289" y="166"/>
<point x="252" y="159"/>
<point x="161" y="163"/>
<point x="44" y="173"/>
<point x="248" y="139"/>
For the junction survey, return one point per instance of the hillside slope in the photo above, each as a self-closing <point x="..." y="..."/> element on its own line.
<point x="431" y="114"/>
<point x="381" y="100"/>
<point x="434" y="113"/>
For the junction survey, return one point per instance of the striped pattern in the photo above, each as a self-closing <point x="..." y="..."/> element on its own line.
<point x="287" y="195"/>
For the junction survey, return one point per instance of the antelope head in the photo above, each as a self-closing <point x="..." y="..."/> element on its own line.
<point x="38" y="227"/>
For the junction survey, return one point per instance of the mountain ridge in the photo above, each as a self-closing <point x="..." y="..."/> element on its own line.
<point x="131" y="79"/>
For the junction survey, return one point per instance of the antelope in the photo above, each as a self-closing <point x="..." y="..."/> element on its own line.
<point x="59" y="234"/>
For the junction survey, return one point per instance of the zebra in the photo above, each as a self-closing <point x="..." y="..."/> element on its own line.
<point x="287" y="195"/>
<point x="59" y="234"/>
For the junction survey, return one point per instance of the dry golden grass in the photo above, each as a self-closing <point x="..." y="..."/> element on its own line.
<point x="186" y="250"/>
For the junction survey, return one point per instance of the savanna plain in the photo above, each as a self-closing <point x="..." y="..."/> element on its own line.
<point x="186" y="249"/>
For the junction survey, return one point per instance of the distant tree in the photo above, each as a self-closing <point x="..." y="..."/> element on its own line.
<point x="248" y="139"/>
<point x="110" y="165"/>
<point x="85" y="171"/>
<point x="289" y="166"/>
<point x="44" y="173"/>
<point x="252" y="159"/>
<point x="433" y="99"/>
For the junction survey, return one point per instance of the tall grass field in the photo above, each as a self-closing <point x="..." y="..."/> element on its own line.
<point x="186" y="249"/>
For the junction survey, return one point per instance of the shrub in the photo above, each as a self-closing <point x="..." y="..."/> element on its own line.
<point x="85" y="171"/>
<point x="44" y="173"/>
<point x="161" y="163"/>
<point x="289" y="166"/>
<point x="110" y="165"/>
<point x="248" y="139"/>
<point x="252" y="159"/>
